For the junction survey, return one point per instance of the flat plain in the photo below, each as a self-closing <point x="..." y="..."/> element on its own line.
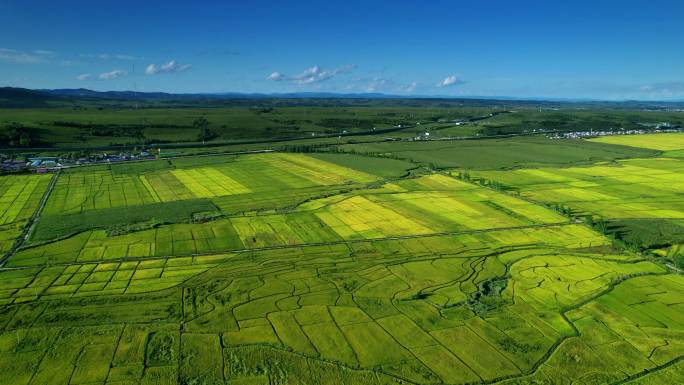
<point x="334" y="268"/>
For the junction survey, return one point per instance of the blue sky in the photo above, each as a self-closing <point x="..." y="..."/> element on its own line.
<point x="569" y="49"/>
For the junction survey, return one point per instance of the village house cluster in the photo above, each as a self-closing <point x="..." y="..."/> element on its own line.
<point x="45" y="164"/>
<point x="653" y="128"/>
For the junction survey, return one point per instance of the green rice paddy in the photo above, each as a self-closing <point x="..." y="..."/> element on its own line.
<point x="288" y="268"/>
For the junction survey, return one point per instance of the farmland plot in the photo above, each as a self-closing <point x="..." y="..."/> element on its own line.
<point x="234" y="185"/>
<point x="107" y="278"/>
<point x="266" y="172"/>
<point x="80" y="191"/>
<point x="412" y="308"/>
<point x="19" y="199"/>
<point x="424" y="279"/>
<point x="663" y="142"/>
<point x="445" y="205"/>
<point x="633" y="331"/>
<point x="639" y="188"/>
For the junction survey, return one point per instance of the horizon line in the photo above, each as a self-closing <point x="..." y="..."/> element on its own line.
<point x="351" y="95"/>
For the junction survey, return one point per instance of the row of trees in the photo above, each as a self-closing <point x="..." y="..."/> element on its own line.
<point x="620" y="238"/>
<point x="17" y="135"/>
<point x="465" y="176"/>
<point x="205" y="133"/>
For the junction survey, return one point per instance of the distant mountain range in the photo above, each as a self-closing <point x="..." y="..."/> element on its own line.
<point x="132" y="95"/>
<point x="11" y="97"/>
<point x="21" y="97"/>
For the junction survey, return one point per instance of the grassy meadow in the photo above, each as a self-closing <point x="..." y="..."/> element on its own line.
<point x="93" y="126"/>
<point x="90" y="123"/>
<point x="499" y="153"/>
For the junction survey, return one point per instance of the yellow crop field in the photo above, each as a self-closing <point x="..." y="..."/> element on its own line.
<point x="316" y="170"/>
<point x="451" y="209"/>
<point x="440" y="182"/>
<point x="20" y="196"/>
<point x="545" y="175"/>
<point x="209" y="182"/>
<point x="663" y="142"/>
<point x="635" y="188"/>
<point x="358" y="217"/>
<point x="275" y="172"/>
<point x="19" y="199"/>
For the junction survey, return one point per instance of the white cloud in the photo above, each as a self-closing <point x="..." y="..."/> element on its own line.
<point x="380" y="84"/>
<point x="275" y="76"/>
<point x="449" y="81"/>
<point x="15" y="56"/>
<point x="115" y="74"/>
<point x="408" y="88"/>
<point x="311" y="75"/>
<point x="48" y="56"/>
<point x="125" y="57"/>
<point x="170" y="67"/>
<point x="83" y="77"/>
<point x="665" y="90"/>
<point x="375" y="84"/>
<point x="316" y="74"/>
<point x="108" y="56"/>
